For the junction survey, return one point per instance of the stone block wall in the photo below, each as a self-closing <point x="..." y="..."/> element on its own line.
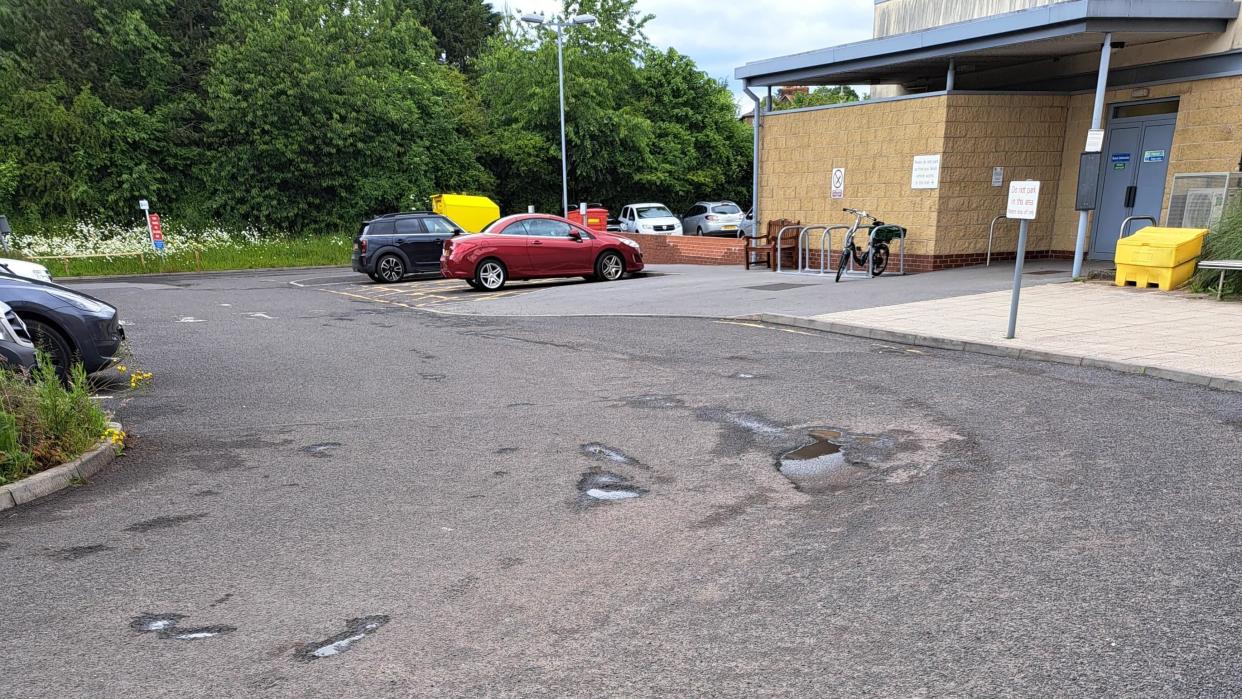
<point x="689" y="249"/>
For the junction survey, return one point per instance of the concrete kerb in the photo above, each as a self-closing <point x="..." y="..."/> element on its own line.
<point x="999" y="350"/>
<point x="59" y="477"/>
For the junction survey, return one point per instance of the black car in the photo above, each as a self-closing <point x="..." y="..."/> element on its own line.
<point x="69" y="325"/>
<point x="394" y="245"/>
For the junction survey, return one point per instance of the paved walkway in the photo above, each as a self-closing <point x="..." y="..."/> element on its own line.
<point x="1177" y="335"/>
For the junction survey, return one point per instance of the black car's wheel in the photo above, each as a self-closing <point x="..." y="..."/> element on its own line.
<point x="879" y="259"/>
<point x="609" y="267"/>
<point x="375" y="277"/>
<point x="50" y="340"/>
<point x="491" y="275"/>
<point x="389" y="269"/>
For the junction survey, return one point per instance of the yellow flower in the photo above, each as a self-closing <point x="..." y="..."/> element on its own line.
<point x="122" y="368"/>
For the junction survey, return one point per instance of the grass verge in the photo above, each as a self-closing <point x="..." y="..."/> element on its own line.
<point x="44" y="422"/>
<point x="313" y="251"/>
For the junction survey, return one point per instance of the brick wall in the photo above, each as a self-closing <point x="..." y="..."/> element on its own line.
<point x="689" y="250"/>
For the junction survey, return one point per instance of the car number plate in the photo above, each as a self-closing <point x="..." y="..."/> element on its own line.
<point x="730" y="228"/>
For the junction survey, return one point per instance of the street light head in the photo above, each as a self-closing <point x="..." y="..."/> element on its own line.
<point x="533" y="18"/>
<point x="584" y="19"/>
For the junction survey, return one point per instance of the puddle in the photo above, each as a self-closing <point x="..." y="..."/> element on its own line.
<point x="322" y="450"/>
<point x="891" y="349"/>
<point x="603" y="486"/>
<point x="834" y="461"/>
<point x="355" y="631"/>
<point x="506" y="450"/>
<point x="165" y="522"/>
<point x="166" y="627"/>
<point x="604" y="452"/>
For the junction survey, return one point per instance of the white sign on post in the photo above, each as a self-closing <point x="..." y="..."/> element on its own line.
<point x="1023" y="199"/>
<point x="998" y="176"/>
<point x="838" y="183"/>
<point x="142" y="204"/>
<point x="926" y="173"/>
<point x="1095" y="140"/>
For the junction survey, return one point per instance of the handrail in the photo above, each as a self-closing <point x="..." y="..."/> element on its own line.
<point x="777" y="252"/>
<point x="991" y="232"/>
<point x="1125" y="225"/>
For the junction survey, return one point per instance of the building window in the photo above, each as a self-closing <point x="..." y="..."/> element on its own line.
<point x="1127" y="111"/>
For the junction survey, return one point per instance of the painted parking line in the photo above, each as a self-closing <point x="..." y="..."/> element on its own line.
<point x="424" y="293"/>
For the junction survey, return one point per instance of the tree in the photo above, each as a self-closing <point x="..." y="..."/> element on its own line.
<point x="323" y="113"/>
<point x="819" y="97"/>
<point x="461" y="27"/>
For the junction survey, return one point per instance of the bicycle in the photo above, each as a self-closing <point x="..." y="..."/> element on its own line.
<point x="878" y="236"/>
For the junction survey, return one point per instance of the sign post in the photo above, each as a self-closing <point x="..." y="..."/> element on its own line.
<point x="155" y="229"/>
<point x="1023" y="205"/>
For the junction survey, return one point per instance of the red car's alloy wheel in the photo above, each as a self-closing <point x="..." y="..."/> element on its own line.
<point x="491" y="275"/>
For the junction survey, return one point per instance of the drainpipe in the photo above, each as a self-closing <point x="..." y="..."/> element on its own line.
<point x="754" y="185"/>
<point x="1097" y="117"/>
<point x="951" y="78"/>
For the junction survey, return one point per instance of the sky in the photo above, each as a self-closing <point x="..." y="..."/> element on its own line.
<point x="720" y="36"/>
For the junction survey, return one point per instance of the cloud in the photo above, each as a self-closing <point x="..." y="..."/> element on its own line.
<point x="723" y="36"/>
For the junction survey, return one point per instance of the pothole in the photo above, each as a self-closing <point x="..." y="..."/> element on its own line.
<point x="604" y="486"/>
<point x="322" y="450"/>
<point x="355" y="631"/>
<point x="604" y="452"/>
<point x="166" y="626"/>
<point x="835" y="461"/>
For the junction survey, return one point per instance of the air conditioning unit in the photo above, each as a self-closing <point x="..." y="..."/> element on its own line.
<point x="1199" y="199"/>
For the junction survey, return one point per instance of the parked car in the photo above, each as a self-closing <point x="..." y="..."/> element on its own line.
<point x="535" y="246"/>
<point x="719" y="218"/>
<point x="614" y="224"/>
<point x="393" y="245"/>
<point x="747" y="226"/>
<point x="16" y="348"/>
<point x="649" y="218"/>
<point x="69" y="325"/>
<point x="22" y="268"/>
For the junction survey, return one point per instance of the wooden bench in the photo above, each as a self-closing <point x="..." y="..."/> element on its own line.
<point x="1224" y="266"/>
<point x="766" y="245"/>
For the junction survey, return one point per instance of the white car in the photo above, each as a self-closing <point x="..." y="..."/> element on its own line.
<point x="22" y="268"/>
<point x="651" y="218"/>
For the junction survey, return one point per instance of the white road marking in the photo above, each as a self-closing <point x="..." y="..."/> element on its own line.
<point x="191" y="319"/>
<point x="260" y="315"/>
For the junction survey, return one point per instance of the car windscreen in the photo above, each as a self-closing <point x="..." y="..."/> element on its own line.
<point x="654" y="212"/>
<point x="726" y="209"/>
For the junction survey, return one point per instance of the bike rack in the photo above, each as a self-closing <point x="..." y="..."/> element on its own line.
<point x="804" y="251"/>
<point x="991" y="232"/>
<point x="780" y="234"/>
<point x="866" y="274"/>
<point x="828" y="237"/>
<point x="1125" y="225"/>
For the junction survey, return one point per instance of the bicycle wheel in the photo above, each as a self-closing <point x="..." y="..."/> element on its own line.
<point x="845" y="260"/>
<point x="879" y="259"/>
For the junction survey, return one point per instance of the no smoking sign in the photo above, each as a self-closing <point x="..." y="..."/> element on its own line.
<point x="838" y="183"/>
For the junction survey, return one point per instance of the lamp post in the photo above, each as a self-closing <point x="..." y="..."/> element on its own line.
<point x="558" y="24"/>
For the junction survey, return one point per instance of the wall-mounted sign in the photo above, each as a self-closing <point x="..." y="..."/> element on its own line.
<point x="1154" y="156"/>
<point x="998" y="176"/>
<point x="926" y="173"/>
<point x="1023" y="199"/>
<point x="838" y="183"/>
<point x="1120" y="157"/>
<point x="1095" y="141"/>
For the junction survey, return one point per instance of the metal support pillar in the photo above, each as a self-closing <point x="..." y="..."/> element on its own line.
<point x="951" y="78"/>
<point x="1097" y="118"/>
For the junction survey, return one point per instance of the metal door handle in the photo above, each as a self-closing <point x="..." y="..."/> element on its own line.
<point x="1131" y="196"/>
<point x="400" y="240"/>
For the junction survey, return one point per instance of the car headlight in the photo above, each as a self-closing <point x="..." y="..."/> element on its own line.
<point x="78" y="301"/>
<point x="630" y="243"/>
<point x="646" y="226"/>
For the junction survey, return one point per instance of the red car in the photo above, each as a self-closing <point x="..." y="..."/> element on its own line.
<point x="535" y="246"/>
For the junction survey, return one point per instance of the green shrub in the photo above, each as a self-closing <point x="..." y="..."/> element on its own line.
<point x="44" y="422"/>
<point x="1224" y="243"/>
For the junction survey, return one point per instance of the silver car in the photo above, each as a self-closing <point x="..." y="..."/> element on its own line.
<point x="719" y="218"/>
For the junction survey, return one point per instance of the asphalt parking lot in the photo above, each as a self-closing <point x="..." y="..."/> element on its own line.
<point x="338" y="489"/>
